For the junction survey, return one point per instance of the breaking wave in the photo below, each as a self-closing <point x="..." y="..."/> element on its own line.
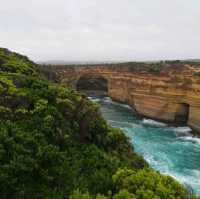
<point x="94" y="99"/>
<point x="192" y="139"/>
<point x="153" y="123"/>
<point x="109" y="100"/>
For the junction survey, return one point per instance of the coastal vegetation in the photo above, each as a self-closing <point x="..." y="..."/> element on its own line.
<point x="54" y="143"/>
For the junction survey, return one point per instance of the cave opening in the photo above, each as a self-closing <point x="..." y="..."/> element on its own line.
<point x="93" y="85"/>
<point x="182" y="114"/>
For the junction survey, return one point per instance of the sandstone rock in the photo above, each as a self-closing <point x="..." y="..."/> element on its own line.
<point x="159" y="95"/>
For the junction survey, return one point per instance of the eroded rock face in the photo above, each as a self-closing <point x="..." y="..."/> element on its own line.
<point x="155" y="94"/>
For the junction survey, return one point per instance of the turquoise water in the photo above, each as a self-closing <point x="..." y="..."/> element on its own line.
<point x="170" y="150"/>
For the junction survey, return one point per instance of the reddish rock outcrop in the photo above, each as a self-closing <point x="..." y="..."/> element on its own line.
<point x="163" y="95"/>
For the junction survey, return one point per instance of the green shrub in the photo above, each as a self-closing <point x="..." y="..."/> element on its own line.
<point x="149" y="184"/>
<point x="53" y="140"/>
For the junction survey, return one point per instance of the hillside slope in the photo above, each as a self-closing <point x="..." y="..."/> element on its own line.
<point x="55" y="144"/>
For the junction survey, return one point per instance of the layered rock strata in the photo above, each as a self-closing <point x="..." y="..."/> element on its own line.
<point x="169" y="94"/>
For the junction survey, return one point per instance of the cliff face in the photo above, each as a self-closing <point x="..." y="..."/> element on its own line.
<point x="171" y="94"/>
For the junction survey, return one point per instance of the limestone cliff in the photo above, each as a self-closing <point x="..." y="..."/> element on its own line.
<point x="170" y="93"/>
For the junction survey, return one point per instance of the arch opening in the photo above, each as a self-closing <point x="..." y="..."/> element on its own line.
<point x="93" y="85"/>
<point x="182" y="114"/>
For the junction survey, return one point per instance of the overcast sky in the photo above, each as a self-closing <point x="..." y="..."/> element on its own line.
<point x="101" y="30"/>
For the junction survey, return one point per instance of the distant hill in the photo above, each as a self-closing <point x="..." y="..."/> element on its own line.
<point x="193" y="60"/>
<point x="62" y="62"/>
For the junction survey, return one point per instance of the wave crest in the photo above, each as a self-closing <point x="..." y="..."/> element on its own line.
<point x="153" y="123"/>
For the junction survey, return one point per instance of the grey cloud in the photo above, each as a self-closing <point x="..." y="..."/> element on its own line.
<point x="101" y="30"/>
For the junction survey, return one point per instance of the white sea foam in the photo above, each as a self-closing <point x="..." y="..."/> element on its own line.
<point x="150" y="159"/>
<point x="123" y="124"/>
<point x="109" y="100"/>
<point x="94" y="99"/>
<point x="182" y="131"/>
<point x="153" y="123"/>
<point x="191" y="139"/>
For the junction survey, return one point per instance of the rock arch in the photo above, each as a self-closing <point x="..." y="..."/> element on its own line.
<point x="93" y="85"/>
